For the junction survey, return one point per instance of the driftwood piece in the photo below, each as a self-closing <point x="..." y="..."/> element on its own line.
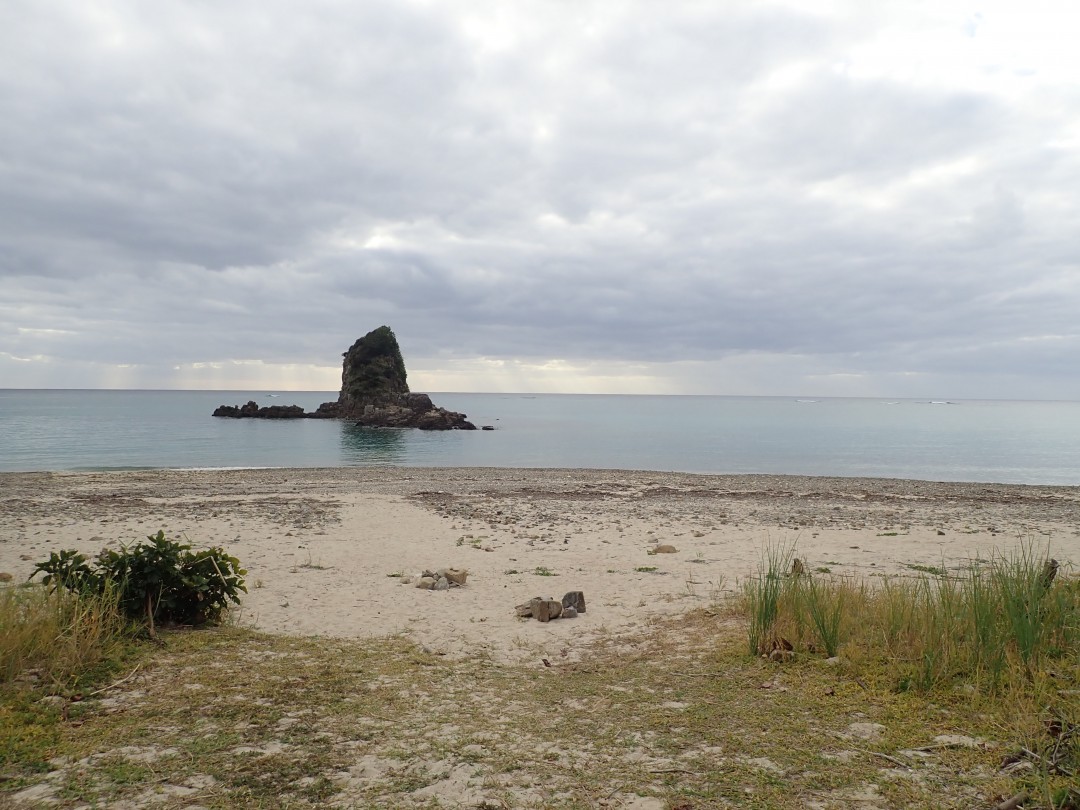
<point x="1012" y="802"/>
<point x="1049" y="572"/>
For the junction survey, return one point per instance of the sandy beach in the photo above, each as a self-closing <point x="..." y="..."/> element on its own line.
<point x="326" y="550"/>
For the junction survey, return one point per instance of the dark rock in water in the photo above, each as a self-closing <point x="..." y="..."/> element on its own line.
<point x="373" y="374"/>
<point x="328" y="410"/>
<point x="252" y="411"/>
<point x="374" y="393"/>
<point x="281" y="412"/>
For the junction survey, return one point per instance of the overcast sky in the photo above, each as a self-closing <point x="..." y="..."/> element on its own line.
<point x="826" y="197"/>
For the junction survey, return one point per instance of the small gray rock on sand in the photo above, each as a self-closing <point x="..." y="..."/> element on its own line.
<point x="574" y="599"/>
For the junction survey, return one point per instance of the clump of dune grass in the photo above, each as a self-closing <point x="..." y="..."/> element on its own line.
<point x="824" y="606"/>
<point x="998" y="625"/>
<point x="1000" y="637"/>
<point x="764" y="594"/>
<point x="57" y="635"/>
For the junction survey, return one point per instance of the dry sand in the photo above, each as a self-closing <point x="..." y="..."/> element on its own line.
<point x="322" y="546"/>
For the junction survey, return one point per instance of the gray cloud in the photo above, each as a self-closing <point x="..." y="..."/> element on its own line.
<point x="189" y="183"/>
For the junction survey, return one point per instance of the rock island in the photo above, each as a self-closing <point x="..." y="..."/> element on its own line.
<point x="374" y="393"/>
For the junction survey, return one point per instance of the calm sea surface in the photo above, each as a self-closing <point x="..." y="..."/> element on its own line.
<point x="1008" y="442"/>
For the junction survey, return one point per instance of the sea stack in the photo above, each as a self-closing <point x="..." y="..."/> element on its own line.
<point x="375" y="390"/>
<point x="374" y="393"/>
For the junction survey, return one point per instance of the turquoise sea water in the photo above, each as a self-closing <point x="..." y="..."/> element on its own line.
<point x="993" y="441"/>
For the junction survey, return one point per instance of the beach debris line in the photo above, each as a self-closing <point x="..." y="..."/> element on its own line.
<point x="545" y="608"/>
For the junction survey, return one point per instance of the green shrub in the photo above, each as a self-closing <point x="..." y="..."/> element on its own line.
<point x="157" y="579"/>
<point x="69" y="570"/>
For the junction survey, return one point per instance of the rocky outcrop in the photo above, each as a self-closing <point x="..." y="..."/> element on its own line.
<point x="373" y="373"/>
<point x="252" y="411"/>
<point x="374" y="393"/>
<point x="375" y="390"/>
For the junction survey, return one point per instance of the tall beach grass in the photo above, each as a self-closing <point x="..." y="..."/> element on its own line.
<point x="999" y="623"/>
<point x="57" y="636"/>
<point x="764" y="594"/>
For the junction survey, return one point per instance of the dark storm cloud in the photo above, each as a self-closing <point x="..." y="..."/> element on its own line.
<point x="193" y="183"/>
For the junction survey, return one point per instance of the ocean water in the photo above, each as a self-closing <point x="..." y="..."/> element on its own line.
<point x="990" y="441"/>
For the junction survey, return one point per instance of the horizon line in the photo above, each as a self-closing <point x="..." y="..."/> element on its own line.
<point x="801" y="396"/>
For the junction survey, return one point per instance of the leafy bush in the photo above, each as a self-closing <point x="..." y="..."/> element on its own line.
<point x="157" y="579"/>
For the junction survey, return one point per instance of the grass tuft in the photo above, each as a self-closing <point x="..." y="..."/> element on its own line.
<point x="763" y="596"/>
<point x="52" y="645"/>
<point x="997" y="627"/>
<point x="825" y="605"/>
<point x="58" y="636"/>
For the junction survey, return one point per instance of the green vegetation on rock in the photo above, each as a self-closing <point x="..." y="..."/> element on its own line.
<point x="374" y="369"/>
